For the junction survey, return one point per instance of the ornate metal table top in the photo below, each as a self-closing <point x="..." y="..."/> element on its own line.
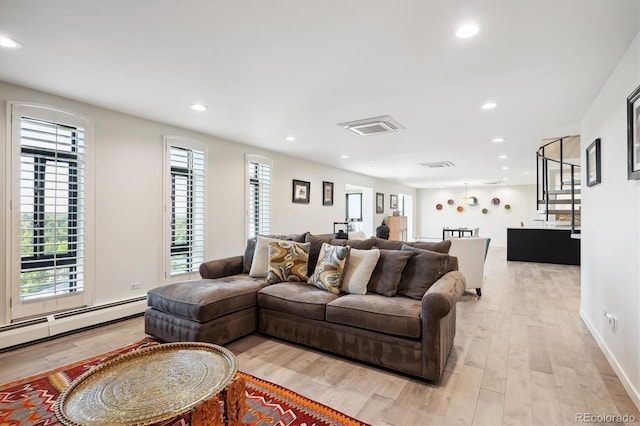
<point x="147" y="386"/>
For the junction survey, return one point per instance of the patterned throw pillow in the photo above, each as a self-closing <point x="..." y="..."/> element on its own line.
<point x="330" y="267"/>
<point x="288" y="261"/>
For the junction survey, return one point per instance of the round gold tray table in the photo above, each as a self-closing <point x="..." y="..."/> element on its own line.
<point x="149" y="385"/>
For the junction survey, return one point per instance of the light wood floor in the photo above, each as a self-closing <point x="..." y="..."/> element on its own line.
<point x="521" y="356"/>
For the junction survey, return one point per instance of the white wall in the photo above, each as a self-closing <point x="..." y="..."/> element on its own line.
<point x="611" y="228"/>
<point x="128" y="195"/>
<point x="494" y="224"/>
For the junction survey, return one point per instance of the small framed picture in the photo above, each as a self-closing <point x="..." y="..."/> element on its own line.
<point x="633" y="135"/>
<point x="393" y="202"/>
<point x="327" y="193"/>
<point x="379" y="202"/>
<point x="301" y="191"/>
<point x="593" y="163"/>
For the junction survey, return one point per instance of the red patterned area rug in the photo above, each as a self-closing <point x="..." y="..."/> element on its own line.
<point x="30" y="401"/>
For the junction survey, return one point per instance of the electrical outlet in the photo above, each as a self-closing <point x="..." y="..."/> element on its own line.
<point x="135" y="285"/>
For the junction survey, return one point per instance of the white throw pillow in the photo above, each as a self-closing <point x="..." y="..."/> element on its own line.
<point x="260" y="264"/>
<point x="360" y="266"/>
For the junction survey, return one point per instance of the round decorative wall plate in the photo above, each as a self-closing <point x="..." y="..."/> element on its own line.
<point x="485" y="211"/>
<point x="495" y="201"/>
<point x="438" y="206"/>
<point x="450" y="201"/>
<point x="507" y="206"/>
<point x="460" y="209"/>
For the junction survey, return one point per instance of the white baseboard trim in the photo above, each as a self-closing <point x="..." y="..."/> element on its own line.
<point x="631" y="390"/>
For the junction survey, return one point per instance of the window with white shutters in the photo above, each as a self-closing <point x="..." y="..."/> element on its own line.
<point x="259" y="196"/>
<point x="51" y="208"/>
<point x="186" y="207"/>
<point x="50" y="260"/>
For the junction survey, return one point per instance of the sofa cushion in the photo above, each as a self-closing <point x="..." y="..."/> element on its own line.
<point x="251" y="247"/>
<point x="358" y="270"/>
<point x="388" y="272"/>
<point x="328" y="271"/>
<point x="296" y="298"/>
<point x="399" y="315"/>
<point x="439" y="246"/>
<point x="423" y="269"/>
<point x="288" y="261"/>
<point x="357" y="244"/>
<point x="204" y="300"/>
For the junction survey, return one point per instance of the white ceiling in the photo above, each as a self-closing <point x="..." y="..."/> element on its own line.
<point x="268" y="69"/>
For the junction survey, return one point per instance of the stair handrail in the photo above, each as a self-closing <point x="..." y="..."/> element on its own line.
<point x="541" y="156"/>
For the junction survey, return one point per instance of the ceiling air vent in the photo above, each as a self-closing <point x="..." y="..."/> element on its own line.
<point x="373" y="126"/>
<point x="437" y="164"/>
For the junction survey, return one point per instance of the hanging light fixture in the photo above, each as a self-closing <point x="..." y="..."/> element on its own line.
<point x="470" y="201"/>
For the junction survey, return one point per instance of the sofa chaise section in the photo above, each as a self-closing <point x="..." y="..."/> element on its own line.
<point x="219" y="308"/>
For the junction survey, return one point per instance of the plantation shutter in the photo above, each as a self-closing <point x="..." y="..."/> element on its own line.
<point x="187" y="209"/>
<point x="52" y="209"/>
<point x="259" y="196"/>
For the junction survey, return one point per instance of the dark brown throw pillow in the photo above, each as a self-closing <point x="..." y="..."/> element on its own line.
<point x="362" y="244"/>
<point x="387" y="244"/>
<point x="388" y="271"/>
<point x="316" y="244"/>
<point x="440" y="246"/>
<point x="423" y="269"/>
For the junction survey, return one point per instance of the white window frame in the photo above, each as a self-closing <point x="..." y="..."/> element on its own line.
<point x="16" y="307"/>
<point x="197" y="246"/>
<point x="265" y="202"/>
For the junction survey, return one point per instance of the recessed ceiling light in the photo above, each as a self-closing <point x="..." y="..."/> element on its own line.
<point x="290" y="138"/>
<point x="9" y="43"/>
<point x="503" y="157"/>
<point x="344" y="156"/>
<point x="374" y="167"/>
<point x="497" y="140"/>
<point x="467" y="31"/>
<point x="505" y="167"/>
<point x="489" y="105"/>
<point x="199" y="107"/>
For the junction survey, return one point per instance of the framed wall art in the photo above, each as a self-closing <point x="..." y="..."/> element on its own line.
<point x="301" y="191"/>
<point x="393" y="201"/>
<point x="379" y="202"/>
<point x="593" y="163"/>
<point x="633" y="135"/>
<point x="327" y="193"/>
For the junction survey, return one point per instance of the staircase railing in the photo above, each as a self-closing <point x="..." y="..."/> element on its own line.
<point x="554" y="153"/>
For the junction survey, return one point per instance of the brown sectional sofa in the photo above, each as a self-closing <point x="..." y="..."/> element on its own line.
<point x="412" y="335"/>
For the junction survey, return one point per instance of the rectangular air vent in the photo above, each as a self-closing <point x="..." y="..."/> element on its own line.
<point x="372" y="126"/>
<point x="437" y="164"/>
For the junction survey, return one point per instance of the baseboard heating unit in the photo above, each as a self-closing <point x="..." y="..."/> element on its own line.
<point x="23" y="332"/>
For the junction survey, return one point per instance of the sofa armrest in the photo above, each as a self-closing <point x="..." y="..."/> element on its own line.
<point x="438" y="320"/>
<point x="221" y="267"/>
<point x="438" y="300"/>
